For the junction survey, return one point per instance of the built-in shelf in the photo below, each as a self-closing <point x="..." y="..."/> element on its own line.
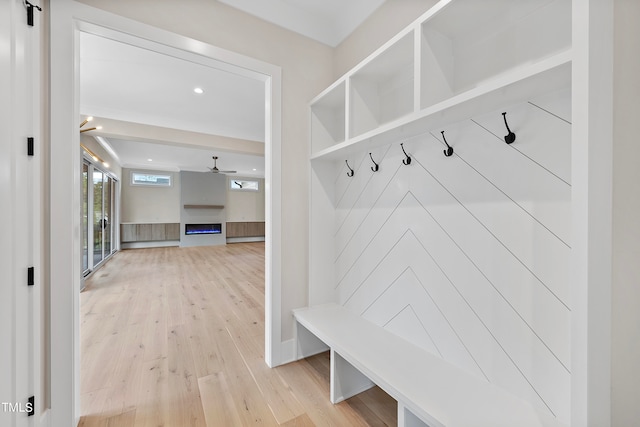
<point x="204" y="206"/>
<point x="515" y="86"/>
<point x="382" y="89"/>
<point x="467" y="42"/>
<point x="458" y="58"/>
<point x="328" y="118"/>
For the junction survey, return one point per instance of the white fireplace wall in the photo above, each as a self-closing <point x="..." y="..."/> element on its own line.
<point x="200" y="191"/>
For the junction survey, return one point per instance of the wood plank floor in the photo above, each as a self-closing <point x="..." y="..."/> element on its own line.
<point x="175" y="337"/>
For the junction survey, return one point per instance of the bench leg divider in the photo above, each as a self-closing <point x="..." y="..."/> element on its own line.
<point x="346" y="381"/>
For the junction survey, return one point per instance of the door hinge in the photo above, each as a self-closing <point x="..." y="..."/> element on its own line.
<point x="31" y="276"/>
<point x="30" y="8"/>
<point x="30" y="144"/>
<point x="31" y="406"/>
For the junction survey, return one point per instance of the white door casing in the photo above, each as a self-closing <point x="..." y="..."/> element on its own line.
<point x="20" y="215"/>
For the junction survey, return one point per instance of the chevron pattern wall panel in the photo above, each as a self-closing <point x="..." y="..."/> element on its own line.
<point x="468" y="256"/>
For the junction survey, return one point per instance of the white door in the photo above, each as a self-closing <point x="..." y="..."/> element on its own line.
<point x="19" y="215"/>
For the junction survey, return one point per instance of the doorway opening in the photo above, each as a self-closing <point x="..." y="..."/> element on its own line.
<point x="67" y="22"/>
<point x="145" y="151"/>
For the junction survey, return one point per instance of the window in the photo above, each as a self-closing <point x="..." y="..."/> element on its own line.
<point x="154" y="180"/>
<point x="243" y="185"/>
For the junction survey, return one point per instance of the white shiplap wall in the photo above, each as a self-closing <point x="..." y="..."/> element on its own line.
<point x="468" y="256"/>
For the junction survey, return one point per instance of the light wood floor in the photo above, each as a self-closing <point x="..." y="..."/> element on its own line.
<point x="175" y="337"/>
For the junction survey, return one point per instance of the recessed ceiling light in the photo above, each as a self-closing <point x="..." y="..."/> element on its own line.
<point x="198" y="90"/>
<point x="254" y="169"/>
<point x="149" y="160"/>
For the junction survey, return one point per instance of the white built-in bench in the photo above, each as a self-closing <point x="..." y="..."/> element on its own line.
<point x="429" y="391"/>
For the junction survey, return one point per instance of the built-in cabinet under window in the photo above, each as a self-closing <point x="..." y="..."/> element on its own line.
<point x="98" y="214"/>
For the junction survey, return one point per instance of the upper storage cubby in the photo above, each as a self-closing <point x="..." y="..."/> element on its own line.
<point x="382" y="89"/>
<point x="328" y="115"/>
<point x="468" y="42"/>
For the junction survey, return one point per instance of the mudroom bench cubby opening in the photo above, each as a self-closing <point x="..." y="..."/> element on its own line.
<point x="440" y="220"/>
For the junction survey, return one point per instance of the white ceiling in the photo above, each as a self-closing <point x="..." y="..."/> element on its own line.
<point x="119" y="81"/>
<point x="124" y="82"/>
<point x="327" y="21"/>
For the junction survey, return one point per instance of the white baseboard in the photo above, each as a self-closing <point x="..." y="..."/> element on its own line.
<point x="44" y="419"/>
<point x="287" y="351"/>
<point x="306" y="344"/>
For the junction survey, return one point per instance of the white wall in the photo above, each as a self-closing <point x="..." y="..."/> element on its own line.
<point x="142" y="204"/>
<point x="245" y="205"/>
<point x="376" y="30"/>
<point x="626" y="224"/>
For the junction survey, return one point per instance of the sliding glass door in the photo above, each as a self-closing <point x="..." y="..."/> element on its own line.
<point x="85" y="218"/>
<point x="98" y="209"/>
<point x="98" y="216"/>
<point x="107" y="214"/>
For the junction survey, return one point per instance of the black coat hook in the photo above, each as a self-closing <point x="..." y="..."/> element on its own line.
<point x="511" y="136"/>
<point x="350" y="173"/>
<point x="375" y="166"/>
<point x="449" y="151"/>
<point x="30" y="8"/>
<point x="406" y="161"/>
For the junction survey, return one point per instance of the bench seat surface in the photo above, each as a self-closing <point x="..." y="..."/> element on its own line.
<point x="433" y="389"/>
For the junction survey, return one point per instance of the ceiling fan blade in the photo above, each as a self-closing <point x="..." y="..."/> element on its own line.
<point x="215" y="169"/>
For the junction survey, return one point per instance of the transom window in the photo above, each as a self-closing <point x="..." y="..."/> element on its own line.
<point x="244" y="185"/>
<point x="150" y="179"/>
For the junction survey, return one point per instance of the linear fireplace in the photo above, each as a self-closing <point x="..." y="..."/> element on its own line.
<point x="191" y="229"/>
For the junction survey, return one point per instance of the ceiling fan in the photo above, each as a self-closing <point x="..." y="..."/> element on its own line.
<point x="215" y="169"/>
